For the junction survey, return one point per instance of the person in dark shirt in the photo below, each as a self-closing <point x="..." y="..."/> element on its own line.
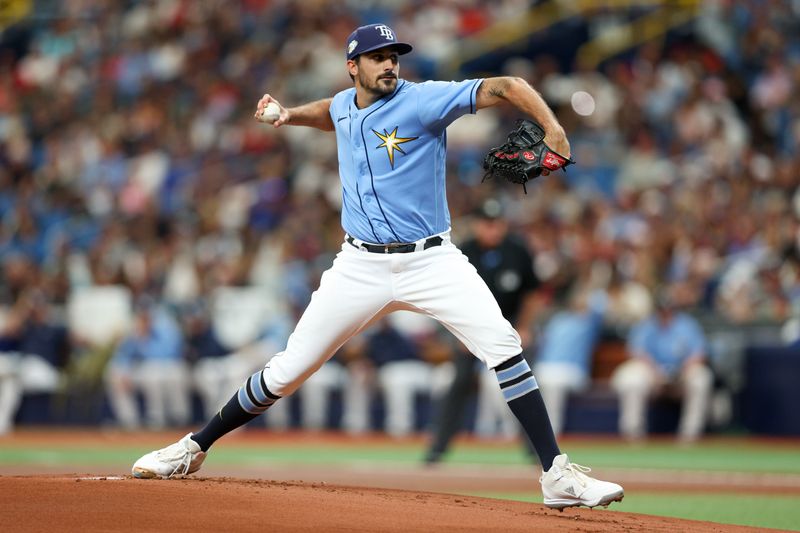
<point x="401" y="374"/>
<point x="199" y="336"/>
<point x="34" y="348"/>
<point x="218" y="367"/>
<point x="505" y="264"/>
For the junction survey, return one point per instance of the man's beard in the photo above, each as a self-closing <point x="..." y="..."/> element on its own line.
<point x="382" y="86"/>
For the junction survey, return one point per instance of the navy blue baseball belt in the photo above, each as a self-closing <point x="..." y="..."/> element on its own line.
<point x="395" y="247"/>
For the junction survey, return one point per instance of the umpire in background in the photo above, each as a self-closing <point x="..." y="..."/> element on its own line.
<point x="506" y="266"/>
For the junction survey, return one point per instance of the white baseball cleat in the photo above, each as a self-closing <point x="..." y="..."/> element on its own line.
<point x="567" y="485"/>
<point x="181" y="458"/>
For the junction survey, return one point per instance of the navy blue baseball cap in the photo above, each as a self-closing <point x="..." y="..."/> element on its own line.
<point x="371" y="37"/>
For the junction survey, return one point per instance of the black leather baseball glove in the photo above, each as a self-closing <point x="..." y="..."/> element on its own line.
<point x="524" y="156"/>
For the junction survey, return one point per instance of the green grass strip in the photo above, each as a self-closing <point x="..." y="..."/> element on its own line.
<point x="716" y="456"/>
<point x="756" y="510"/>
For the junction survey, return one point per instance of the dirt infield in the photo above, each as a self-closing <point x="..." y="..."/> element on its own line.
<point x="49" y="480"/>
<point x="97" y="503"/>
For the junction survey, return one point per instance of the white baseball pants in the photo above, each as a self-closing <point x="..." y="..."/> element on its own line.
<point x="557" y="380"/>
<point x="635" y="382"/>
<point x="164" y="385"/>
<point x="361" y="287"/>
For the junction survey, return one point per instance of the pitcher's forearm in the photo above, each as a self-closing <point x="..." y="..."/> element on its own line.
<point x="520" y="94"/>
<point x="314" y="114"/>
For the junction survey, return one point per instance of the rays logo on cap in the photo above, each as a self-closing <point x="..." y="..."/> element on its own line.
<point x="386" y="32"/>
<point x="371" y="37"/>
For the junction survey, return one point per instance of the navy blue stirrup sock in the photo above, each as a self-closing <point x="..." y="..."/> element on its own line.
<point x="522" y="394"/>
<point x="252" y="399"/>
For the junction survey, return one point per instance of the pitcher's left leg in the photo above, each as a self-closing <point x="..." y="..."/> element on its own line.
<point x="449" y="289"/>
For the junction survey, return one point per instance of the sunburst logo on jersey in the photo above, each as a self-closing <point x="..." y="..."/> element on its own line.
<point x="392" y="142"/>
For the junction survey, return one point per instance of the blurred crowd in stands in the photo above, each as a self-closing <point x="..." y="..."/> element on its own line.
<point x="139" y="198"/>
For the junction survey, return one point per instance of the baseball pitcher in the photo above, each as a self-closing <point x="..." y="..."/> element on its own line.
<point x="397" y="253"/>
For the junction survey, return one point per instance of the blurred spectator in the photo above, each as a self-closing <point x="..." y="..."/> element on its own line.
<point x="316" y="393"/>
<point x="204" y="352"/>
<point x="507" y="268"/>
<point x="667" y="356"/>
<point x="564" y="356"/>
<point x="790" y="333"/>
<point x="34" y="347"/>
<point x="149" y="361"/>
<point x="382" y="359"/>
<point x="395" y="365"/>
<point x="627" y="303"/>
<point x="217" y="368"/>
<point x="351" y="372"/>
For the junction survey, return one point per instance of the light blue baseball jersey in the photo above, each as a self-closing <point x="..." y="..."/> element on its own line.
<point x="570" y="336"/>
<point x="392" y="159"/>
<point x="668" y="344"/>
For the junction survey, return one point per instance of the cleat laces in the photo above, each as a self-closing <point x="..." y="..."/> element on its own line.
<point x="176" y="454"/>
<point x="579" y="473"/>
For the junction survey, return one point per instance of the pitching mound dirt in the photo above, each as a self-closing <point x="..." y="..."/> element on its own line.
<point x="89" y="503"/>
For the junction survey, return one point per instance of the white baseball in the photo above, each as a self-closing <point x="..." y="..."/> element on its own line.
<point x="271" y="112"/>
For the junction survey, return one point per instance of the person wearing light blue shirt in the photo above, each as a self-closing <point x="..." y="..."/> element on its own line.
<point x="667" y="356"/>
<point x="396" y="253"/>
<point x="149" y="360"/>
<point x="156" y="337"/>
<point x="564" y="356"/>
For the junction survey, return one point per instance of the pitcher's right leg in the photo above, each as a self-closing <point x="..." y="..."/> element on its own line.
<point x="353" y="293"/>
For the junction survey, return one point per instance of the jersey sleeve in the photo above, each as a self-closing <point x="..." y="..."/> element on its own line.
<point x="439" y="103"/>
<point x="336" y="107"/>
